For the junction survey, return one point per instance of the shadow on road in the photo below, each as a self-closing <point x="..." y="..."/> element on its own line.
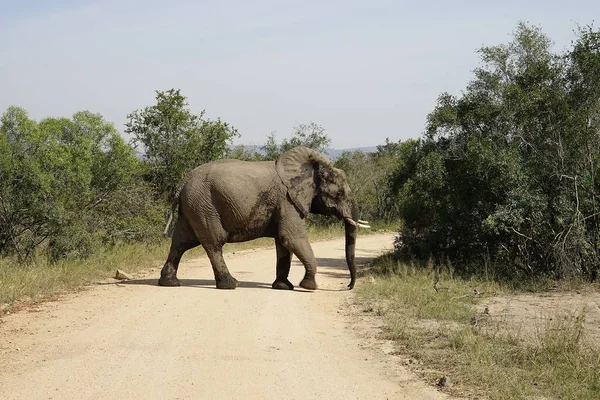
<point x="340" y="262"/>
<point x="201" y="284"/>
<point x="333" y="267"/>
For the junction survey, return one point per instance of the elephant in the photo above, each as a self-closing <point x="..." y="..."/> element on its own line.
<point x="228" y="201"/>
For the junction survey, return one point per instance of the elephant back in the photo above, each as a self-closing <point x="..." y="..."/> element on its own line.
<point x="238" y="184"/>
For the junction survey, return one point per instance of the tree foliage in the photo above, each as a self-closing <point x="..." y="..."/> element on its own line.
<point x="506" y="175"/>
<point x="65" y="184"/>
<point x="369" y="177"/>
<point x="175" y="141"/>
<point x="310" y="135"/>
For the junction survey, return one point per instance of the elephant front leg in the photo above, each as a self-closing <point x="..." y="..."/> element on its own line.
<point x="302" y="249"/>
<point x="223" y="278"/>
<point x="284" y="262"/>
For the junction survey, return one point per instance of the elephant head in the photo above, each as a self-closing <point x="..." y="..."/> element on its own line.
<point x="314" y="185"/>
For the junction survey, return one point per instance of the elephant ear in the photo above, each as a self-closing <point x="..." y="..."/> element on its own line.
<point x="298" y="170"/>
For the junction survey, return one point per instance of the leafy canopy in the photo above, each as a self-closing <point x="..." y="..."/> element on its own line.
<point x="174" y="140"/>
<point x="506" y="176"/>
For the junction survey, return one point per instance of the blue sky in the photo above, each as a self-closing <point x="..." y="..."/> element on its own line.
<point x="365" y="70"/>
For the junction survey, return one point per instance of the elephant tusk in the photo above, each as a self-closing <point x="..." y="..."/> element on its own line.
<point x="351" y="221"/>
<point x="359" y="224"/>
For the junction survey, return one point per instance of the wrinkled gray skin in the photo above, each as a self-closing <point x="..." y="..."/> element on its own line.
<point x="230" y="201"/>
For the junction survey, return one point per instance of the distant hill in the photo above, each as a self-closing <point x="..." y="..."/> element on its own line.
<point x="331" y="153"/>
<point x="335" y="153"/>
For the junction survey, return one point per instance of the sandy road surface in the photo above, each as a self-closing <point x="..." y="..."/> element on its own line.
<point x="141" y="341"/>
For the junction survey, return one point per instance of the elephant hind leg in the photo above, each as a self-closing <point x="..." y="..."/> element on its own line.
<point x="284" y="262"/>
<point x="223" y="278"/>
<point x="168" y="274"/>
<point x="183" y="240"/>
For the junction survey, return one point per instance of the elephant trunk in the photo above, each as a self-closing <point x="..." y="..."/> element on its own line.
<point x="351" y="233"/>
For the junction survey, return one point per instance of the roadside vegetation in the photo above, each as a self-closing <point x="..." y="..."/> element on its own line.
<point x="444" y="331"/>
<point x="500" y="197"/>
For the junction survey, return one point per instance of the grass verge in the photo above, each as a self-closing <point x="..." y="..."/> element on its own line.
<point x="442" y="328"/>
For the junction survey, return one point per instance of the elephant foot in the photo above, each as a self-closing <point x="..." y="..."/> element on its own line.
<point x="227" y="283"/>
<point x="173" y="281"/>
<point x="282" y="285"/>
<point x="309" y="283"/>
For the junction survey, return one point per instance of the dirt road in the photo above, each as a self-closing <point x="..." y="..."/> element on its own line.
<point x="141" y="341"/>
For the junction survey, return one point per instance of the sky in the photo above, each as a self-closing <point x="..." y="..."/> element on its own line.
<point x="364" y="70"/>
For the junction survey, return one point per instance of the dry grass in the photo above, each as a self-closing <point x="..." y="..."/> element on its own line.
<point x="480" y="357"/>
<point x="32" y="282"/>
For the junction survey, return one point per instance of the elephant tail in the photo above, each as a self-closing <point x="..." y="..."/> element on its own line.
<point x="174" y="205"/>
<point x="171" y="212"/>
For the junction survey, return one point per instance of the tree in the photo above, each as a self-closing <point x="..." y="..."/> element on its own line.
<point x="28" y="162"/>
<point x="175" y="141"/>
<point x="309" y="135"/>
<point x="506" y="175"/>
<point x="271" y="149"/>
<point x="369" y="177"/>
<point x="63" y="184"/>
<point x="241" y="152"/>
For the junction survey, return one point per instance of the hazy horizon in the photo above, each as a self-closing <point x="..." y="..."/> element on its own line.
<point x="363" y="70"/>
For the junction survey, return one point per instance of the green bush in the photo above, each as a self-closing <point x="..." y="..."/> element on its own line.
<point x="67" y="185"/>
<point x="506" y="177"/>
